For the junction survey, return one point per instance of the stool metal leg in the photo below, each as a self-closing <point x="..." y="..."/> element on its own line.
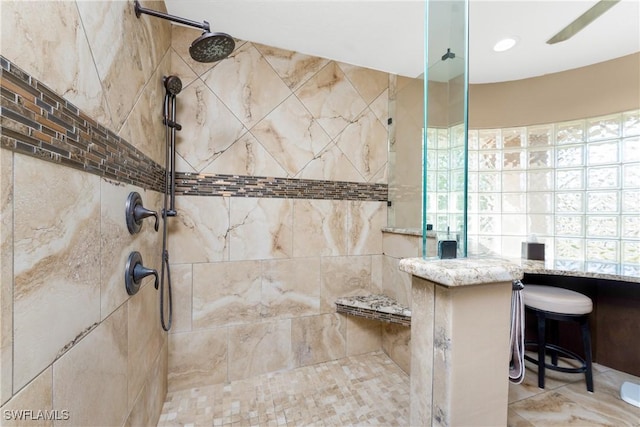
<point x="586" y="339"/>
<point x="541" y="347"/>
<point x="553" y="339"/>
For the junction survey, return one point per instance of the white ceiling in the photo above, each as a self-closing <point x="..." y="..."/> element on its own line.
<point x="388" y="35"/>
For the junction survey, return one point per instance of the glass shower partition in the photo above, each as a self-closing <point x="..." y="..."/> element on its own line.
<point x="444" y="147"/>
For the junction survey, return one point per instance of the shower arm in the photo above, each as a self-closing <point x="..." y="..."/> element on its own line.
<point x="139" y="9"/>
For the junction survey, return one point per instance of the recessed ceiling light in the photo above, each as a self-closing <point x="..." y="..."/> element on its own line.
<point x="505" y="44"/>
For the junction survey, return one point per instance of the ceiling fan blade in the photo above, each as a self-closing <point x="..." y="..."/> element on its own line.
<point x="582" y="21"/>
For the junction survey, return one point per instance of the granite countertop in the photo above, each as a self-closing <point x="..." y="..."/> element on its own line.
<point x="479" y="270"/>
<point x="377" y="302"/>
<point x="377" y="307"/>
<point x="462" y="271"/>
<point x="564" y="268"/>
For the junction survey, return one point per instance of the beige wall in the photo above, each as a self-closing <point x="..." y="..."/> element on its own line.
<point x="72" y="339"/>
<point x="255" y="279"/>
<point x="600" y="89"/>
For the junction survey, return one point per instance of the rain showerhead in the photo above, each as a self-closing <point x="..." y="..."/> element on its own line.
<point x="212" y="47"/>
<point x="209" y="47"/>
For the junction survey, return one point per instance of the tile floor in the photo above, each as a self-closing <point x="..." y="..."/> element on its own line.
<point x="371" y="389"/>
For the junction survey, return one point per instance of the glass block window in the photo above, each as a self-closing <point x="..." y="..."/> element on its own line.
<point x="575" y="185"/>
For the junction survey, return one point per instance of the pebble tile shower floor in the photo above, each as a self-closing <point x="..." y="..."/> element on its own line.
<point x="371" y="390"/>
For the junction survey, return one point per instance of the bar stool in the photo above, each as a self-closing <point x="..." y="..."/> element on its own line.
<point x="559" y="305"/>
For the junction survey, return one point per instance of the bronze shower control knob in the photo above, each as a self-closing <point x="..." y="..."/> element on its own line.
<point x="135" y="271"/>
<point x="135" y="213"/>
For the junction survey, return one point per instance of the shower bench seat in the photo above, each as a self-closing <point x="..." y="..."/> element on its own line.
<point x="376" y="307"/>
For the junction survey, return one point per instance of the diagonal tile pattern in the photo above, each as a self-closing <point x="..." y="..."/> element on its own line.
<point x="283" y="114"/>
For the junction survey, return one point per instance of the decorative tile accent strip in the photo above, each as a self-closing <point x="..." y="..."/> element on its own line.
<point x="269" y="187"/>
<point x="37" y="122"/>
<point x="376" y="307"/>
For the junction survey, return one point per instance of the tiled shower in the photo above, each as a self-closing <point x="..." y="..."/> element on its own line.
<point x="280" y="206"/>
<point x="256" y="279"/>
<point x="78" y="134"/>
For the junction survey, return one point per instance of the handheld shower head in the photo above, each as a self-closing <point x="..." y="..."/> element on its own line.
<point x="212" y="47"/>
<point x="209" y="47"/>
<point x="172" y="84"/>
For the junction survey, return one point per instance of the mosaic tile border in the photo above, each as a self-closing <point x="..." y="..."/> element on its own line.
<point x="37" y="122"/>
<point x="273" y="187"/>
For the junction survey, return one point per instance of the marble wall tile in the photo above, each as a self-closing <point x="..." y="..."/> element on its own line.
<point x="260" y="228"/>
<point x="246" y="156"/>
<point x="442" y="405"/>
<point x="331" y="164"/>
<point x="148" y="405"/>
<point x="6" y="275"/>
<point x="145" y="338"/>
<point x="343" y="276"/>
<point x="183" y="166"/>
<point x="331" y="99"/>
<point x="377" y="273"/>
<point x="143" y="127"/>
<point x="259" y="348"/>
<point x="291" y="287"/>
<point x="294" y="68"/>
<point x="366" y="220"/>
<point x="178" y="66"/>
<point x="202" y="137"/>
<point x="363" y="335"/>
<point x="116" y="37"/>
<point x="182" y="286"/>
<point x="380" y="107"/>
<point x="369" y="83"/>
<point x="382" y="176"/>
<point x="292" y="135"/>
<point x="401" y="245"/>
<point x="199" y="233"/>
<point x="247" y="84"/>
<point x="95" y="370"/>
<point x="396" y="283"/>
<point x="364" y="142"/>
<point x="37" y="395"/>
<point x="320" y="227"/>
<point x="316" y="339"/>
<point x="55" y="261"/>
<point x="197" y="358"/>
<point x="225" y="293"/>
<point x="61" y="58"/>
<point x="462" y="315"/>
<point x="153" y="36"/>
<point x="99" y="57"/>
<point x="396" y="343"/>
<point x="422" y="351"/>
<point x="117" y="243"/>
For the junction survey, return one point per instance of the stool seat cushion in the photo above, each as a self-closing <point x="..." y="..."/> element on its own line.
<point x="556" y="300"/>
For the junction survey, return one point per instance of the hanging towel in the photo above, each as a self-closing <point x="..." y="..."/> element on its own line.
<point x="516" y="364"/>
